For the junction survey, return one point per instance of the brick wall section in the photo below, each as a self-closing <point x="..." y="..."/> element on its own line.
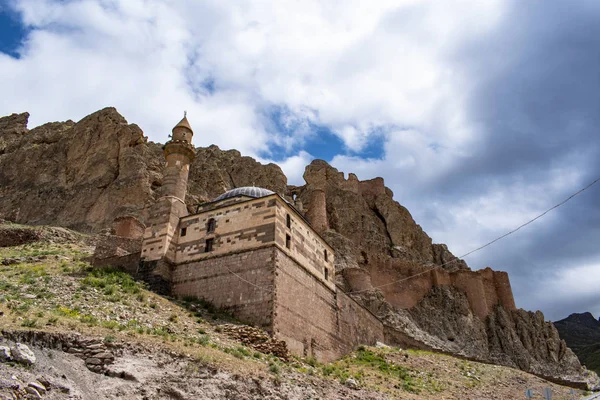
<point x="223" y="280"/>
<point x="158" y="275"/>
<point x="128" y="263"/>
<point x="315" y="320"/>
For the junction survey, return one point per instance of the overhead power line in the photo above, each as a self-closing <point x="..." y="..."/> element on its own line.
<point x="485" y="245"/>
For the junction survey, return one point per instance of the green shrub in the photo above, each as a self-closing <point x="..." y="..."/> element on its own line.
<point x="203" y="340"/>
<point x="29" y="323"/>
<point x="88" y="319"/>
<point x="104" y="278"/>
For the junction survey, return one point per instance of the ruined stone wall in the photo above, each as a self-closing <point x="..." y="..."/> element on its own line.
<point x="315" y="320"/>
<point x="317" y="211"/>
<point x="239" y="226"/>
<point x="484" y="288"/>
<point x="241" y="283"/>
<point x="305" y="246"/>
<point x="504" y="290"/>
<point x="129" y="227"/>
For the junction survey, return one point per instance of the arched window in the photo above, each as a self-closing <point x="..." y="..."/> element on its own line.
<point x="211" y="225"/>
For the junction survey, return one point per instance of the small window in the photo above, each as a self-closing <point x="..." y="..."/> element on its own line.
<point x="288" y="241"/>
<point x="211" y="225"/>
<point x="183" y="231"/>
<point x="208" y="247"/>
<point x="325" y="255"/>
<point x="326" y="274"/>
<point x="288" y="221"/>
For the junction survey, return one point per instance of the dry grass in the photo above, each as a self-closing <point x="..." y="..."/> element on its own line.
<point x="51" y="287"/>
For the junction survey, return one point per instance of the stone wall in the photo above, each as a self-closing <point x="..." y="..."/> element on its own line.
<point x="357" y="325"/>
<point x="238" y="226"/>
<point x="484" y="288"/>
<point x="129" y="227"/>
<point x="241" y="283"/>
<point x="313" y="319"/>
<point x="162" y="228"/>
<point x="305" y="246"/>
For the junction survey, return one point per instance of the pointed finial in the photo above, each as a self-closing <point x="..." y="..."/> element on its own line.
<point x="184" y="114"/>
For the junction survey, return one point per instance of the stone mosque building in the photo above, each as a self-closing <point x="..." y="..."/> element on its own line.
<point x="251" y="252"/>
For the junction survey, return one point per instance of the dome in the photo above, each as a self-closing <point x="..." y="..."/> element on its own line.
<point x="249" y="191"/>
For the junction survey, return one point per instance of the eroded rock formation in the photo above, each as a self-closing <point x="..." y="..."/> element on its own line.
<point x="85" y="175"/>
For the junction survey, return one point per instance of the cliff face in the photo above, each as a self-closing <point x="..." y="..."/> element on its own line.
<point x="389" y="264"/>
<point x="83" y="175"/>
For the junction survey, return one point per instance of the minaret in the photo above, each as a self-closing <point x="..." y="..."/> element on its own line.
<point x="164" y="215"/>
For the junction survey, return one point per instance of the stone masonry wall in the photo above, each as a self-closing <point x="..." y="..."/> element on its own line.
<point x="239" y="226"/>
<point x="313" y="319"/>
<point x="224" y="281"/>
<point x="356" y="324"/>
<point x="484" y="288"/>
<point x="306" y="246"/>
<point x="162" y="228"/>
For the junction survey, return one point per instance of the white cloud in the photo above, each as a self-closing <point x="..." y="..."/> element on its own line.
<point x="362" y="69"/>
<point x="349" y="66"/>
<point x="293" y="167"/>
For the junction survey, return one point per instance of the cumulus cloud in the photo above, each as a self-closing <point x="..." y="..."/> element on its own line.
<point x="486" y="111"/>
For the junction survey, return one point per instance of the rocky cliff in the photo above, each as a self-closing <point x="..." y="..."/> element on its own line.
<point x="84" y="175"/>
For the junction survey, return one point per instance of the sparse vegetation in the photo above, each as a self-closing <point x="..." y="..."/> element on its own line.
<point x="56" y="289"/>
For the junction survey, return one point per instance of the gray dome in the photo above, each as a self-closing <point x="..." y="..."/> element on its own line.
<point x="249" y="191"/>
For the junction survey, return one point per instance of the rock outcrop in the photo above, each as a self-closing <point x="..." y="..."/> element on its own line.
<point x="84" y="175"/>
<point x="581" y="332"/>
<point x="428" y="297"/>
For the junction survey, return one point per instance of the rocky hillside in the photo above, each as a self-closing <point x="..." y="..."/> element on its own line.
<point x="72" y="332"/>
<point x="83" y="175"/>
<point x="581" y="332"/>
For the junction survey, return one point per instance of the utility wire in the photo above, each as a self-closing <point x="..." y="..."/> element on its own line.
<point x="483" y="246"/>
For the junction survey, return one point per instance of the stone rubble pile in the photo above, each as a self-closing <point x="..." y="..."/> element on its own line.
<point x="257" y="339"/>
<point x="94" y="352"/>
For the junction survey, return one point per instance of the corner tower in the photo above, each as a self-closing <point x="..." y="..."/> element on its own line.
<point x="170" y="206"/>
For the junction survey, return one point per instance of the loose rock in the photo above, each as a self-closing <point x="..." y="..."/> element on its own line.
<point x="23" y="354"/>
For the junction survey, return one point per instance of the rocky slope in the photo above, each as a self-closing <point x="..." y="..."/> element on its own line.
<point x="97" y="334"/>
<point x="83" y="175"/>
<point x="581" y="332"/>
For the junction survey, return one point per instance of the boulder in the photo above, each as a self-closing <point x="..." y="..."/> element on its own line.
<point x="5" y="354"/>
<point x="23" y="354"/>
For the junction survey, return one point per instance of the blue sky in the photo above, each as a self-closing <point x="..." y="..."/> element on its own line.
<point x="479" y="115"/>
<point x="12" y="31"/>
